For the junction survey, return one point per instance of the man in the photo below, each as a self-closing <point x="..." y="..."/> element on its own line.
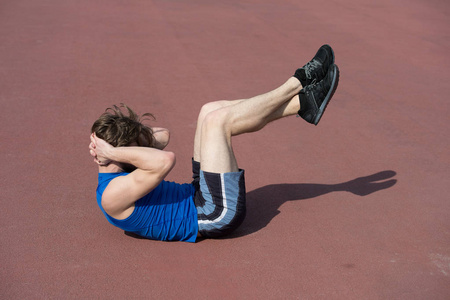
<point x="132" y="192"/>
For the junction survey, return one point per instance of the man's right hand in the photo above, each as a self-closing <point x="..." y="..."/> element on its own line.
<point x="99" y="149"/>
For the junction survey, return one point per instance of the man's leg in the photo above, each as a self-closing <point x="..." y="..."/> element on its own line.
<point x="289" y="108"/>
<point x="313" y="103"/>
<point x="206" y="109"/>
<point x="220" y="186"/>
<point x="218" y="122"/>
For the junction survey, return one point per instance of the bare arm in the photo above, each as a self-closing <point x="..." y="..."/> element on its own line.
<point x="152" y="165"/>
<point x="161" y="137"/>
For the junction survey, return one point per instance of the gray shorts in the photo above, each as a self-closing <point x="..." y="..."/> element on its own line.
<point x="220" y="201"/>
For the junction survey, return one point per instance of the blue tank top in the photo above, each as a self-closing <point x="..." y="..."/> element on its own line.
<point x="167" y="213"/>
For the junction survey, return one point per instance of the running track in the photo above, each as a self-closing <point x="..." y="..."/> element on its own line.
<point x="356" y="208"/>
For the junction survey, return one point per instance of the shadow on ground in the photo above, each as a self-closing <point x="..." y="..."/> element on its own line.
<point x="267" y="199"/>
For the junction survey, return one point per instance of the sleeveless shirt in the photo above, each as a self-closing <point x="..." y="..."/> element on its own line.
<point x="167" y="213"/>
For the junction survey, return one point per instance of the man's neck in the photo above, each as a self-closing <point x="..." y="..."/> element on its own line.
<point x="113" y="167"/>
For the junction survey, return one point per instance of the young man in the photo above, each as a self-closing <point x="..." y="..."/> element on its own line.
<point x="132" y="192"/>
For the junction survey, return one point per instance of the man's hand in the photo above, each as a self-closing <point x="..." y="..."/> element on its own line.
<point x="152" y="166"/>
<point x="100" y="150"/>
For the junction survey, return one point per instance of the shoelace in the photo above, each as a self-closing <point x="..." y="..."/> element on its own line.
<point x="310" y="66"/>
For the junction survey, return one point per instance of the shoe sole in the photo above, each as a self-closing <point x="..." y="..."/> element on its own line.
<point x="328" y="97"/>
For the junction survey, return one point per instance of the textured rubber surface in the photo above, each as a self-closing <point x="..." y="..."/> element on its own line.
<point x="356" y="208"/>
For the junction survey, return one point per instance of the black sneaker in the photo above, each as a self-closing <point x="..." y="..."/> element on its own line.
<point x="314" y="98"/>
<point x="317" y="68"/>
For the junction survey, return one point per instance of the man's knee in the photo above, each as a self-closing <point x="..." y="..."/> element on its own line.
<point x="217" y="119"/>
<point x="210" y="107"/>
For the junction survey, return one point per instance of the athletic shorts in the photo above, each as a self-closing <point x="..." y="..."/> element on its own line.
<point x="220" y="201"/>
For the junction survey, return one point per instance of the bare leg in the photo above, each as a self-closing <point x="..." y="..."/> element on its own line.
<point x="219" y="121"/>
<point x="206" y="109"/>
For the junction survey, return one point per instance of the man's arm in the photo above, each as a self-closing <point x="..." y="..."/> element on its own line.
<point x="161" y="137"/>
<point x="152" y="165"/>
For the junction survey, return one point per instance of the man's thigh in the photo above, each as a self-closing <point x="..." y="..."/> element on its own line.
<point x="216" y="152"/>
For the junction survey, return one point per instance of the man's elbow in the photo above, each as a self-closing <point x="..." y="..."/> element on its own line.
<point x="168" y="161"/>
<point x="161" y="138"/>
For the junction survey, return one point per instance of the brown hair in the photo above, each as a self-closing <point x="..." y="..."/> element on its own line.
<point x="121" y="129"/>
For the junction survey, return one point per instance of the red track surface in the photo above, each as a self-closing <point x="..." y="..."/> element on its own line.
<point x="317" y="227"/>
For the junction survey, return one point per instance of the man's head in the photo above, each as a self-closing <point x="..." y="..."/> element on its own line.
<point x="123" y="129"/>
